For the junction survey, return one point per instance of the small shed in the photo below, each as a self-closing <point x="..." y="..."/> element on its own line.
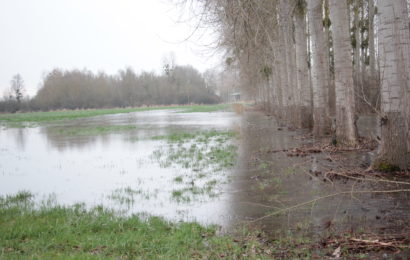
<point x="235" y="97"/>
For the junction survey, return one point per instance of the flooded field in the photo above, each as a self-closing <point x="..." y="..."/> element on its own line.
<point x="121" y="161"/>
<point x="215" y="168"/>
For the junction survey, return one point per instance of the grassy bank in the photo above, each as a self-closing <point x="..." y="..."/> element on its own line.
<point x="56" y="232"/>
<point x="38" y="117"/>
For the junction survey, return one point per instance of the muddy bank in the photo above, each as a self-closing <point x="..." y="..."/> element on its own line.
<point x="284" y="185"/>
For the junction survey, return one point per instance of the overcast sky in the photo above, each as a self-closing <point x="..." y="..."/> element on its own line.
<point x="100" y="35"/>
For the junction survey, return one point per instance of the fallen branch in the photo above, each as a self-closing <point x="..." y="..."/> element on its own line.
<point x="373" y="242"/>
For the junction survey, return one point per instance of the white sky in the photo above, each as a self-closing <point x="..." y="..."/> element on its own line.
<point x="100" y="35"/>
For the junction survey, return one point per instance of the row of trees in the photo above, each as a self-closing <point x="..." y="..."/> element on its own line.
<point x="83" y="89"/>
<point x="314" y="61"/>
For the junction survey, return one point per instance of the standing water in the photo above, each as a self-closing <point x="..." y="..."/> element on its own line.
<point x="175" y="165"/>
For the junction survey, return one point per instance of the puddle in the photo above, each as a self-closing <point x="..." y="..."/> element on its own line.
<point x="135" y="169"/>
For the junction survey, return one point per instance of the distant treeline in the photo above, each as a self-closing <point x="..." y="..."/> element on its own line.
<point x="82" y="89"/>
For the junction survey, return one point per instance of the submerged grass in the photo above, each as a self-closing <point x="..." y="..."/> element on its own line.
<point x="58" y="232"/>
<point x="198" y="151"/>
<point x="200" y="137"/>
<point x="23" y="119"/>
<point x="206" y="155"/>
<point x="129" y="196"/>
<point x="94" y="130"/>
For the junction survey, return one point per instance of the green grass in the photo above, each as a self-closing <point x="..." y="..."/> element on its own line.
<point x="94" y="130"/>
<point x="19" y="119"/>
<point x="205" y="108"/>
<point x="179" y="179"/>
<point x="57" y="232"/>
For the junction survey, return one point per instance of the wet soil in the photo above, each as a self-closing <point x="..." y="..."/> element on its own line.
<point x="290" y="183"/>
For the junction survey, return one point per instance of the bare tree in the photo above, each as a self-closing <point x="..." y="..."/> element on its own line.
<point x="17" y="87"/>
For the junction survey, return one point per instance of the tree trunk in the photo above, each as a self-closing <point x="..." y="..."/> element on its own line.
<point x="280" y="61"/>
<point x="318" y="68"/>
<point x="374" y="92"/>
<point x="357" y="39"/>
<point x="346" y="130"/>
<point x="287" y="48"/>
<point x="302" y="70"/>
<point x="394" y="48"/>
<point x="372" y="50"/>
<point x="330" y="88"/>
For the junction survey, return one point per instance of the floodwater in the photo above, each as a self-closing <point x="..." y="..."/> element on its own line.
<point x="118" y="170"/>
<point x="113" y="169"/>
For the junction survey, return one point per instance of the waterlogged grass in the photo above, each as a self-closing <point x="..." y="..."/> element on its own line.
<point x="58" y="232"/>
<point x="206" y="108"/>
<point x="197" y="151"/>
<point x="128" y="196"/>
<point x="191" y="192"/>
<point x="94" y="130"/>
<point x="27" y="119"/>
<point x="199" y="137"/>
<point x="64" y="115"/>
<point x="205" y="156"/>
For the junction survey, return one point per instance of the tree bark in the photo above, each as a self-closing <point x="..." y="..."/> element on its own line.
<point x="302" y="70"/>
<point x="330" y="88"/>
<point x="394" y="48"/>
<point x="321" y="124"/>
<point x="346" y="130"/>
<point x="374" y="92"/>
<point x="287" y="49"/>
<point x="372" y="50"/>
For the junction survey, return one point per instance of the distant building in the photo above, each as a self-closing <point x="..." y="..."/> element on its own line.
<point x="235" y="97"/>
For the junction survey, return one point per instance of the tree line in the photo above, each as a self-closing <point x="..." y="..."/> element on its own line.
<point x="82" y="89"/>
<point x="319" y="63"/>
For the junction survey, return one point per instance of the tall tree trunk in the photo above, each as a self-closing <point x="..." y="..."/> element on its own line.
<point x="372" y="50"/>
<point x="394" y="55"/>
<point x="318" y="68"/>
<point x="356" y="21"/>
<point x="374" y="78"/>
<point x="288" y="53"/>
<point x="291" y="56"/>
<point x="330" y="90"/>
<point x="302" y="76"/>
<point x="283" y="76"/>
<point x="346" y="131"/>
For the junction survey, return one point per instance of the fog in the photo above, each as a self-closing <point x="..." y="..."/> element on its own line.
<point x="100" y="35"/>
